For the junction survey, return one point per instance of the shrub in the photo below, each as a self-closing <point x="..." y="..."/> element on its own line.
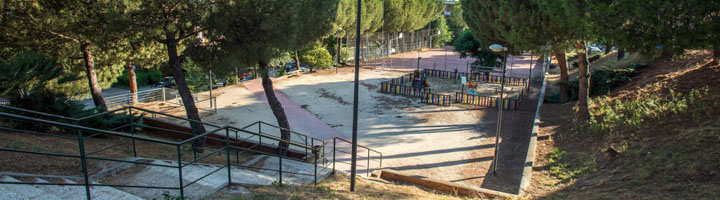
<point x="316" y="56"/>
<point x="602" y="80"/>
<point x="609" y="115"/>
<point x="143" y="77"/>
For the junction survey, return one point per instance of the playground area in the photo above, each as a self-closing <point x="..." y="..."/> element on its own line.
<point x="450" y="87"/>
<point x="452" y="143"/>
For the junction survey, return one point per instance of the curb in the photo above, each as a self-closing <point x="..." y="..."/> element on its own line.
<point x="530" y="158"/>
<point x="440" y="185"/>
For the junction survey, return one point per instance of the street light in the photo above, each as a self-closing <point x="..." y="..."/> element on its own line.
<point x="338" y="50"/>
<point x="431" y="43"/>
<point x="499" y="49"/>
<point x="390" y="50"/>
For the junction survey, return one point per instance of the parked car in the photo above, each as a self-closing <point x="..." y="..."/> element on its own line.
<point x="167" y="82"/>
<point x="595" y="50"/>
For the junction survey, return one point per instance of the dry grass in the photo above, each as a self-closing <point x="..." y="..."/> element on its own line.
<point x="337" y="187"/>
<point x="54" y="165"/>
<point x="673" y="157"/>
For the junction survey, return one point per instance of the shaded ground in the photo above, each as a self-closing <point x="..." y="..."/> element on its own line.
<point x="672" y="157"/>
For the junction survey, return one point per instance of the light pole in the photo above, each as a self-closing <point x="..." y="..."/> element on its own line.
<point x="338" y="51"/>
<point x="431" y="37"/>
<point x="353" y="167"/>
<point x="444" y="47"/>
<point x="498" y="49"/>
<point x="391" y="50"/>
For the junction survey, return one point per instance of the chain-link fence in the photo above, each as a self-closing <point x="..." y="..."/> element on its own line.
<point x="383" y="44"/>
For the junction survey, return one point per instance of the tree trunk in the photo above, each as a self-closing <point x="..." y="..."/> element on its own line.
<point x="584" y="78"/>
<point x="133" y="83"/>
<point x="95" y="90"/>
<point x="185" y="94"/>
<point x="716" y="52"/>
<point x="562" y="63"/>
<point x="608" y="47"/>
<point x="621" y="54"/>
<point x="276" y="108"/>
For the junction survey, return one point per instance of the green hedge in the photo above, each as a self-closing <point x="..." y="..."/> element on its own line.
<point x="143" y="77"/>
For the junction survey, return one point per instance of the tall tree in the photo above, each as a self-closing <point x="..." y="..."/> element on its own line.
<point x="68" y="30"/>
<point x="258" y="31"/>
<point x="172" y="22"/>
<point x="521" y="24"/>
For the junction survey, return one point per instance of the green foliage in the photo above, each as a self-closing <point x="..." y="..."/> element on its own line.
<point x="258" y="31"/>
<point x="455" y="22"/>
<point x="445" y="36"/>
<point x="143" y="77"/>
<point x="316" y="57"/>
<point x="603" y="80"/>
<point x="565" y="169"/>
<point x="410" y="15"/>
<point x="645" y="26"/>
<point x="466" y="45"/>
<point x="196" y="76"/>
<point x="611" y="115"/>
<point x="29" y="72"/>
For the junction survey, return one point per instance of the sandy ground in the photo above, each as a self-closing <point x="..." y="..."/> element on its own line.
<point x="449" y="143"/>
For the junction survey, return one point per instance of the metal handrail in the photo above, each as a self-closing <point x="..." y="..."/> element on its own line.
<point x="314" y="148"/>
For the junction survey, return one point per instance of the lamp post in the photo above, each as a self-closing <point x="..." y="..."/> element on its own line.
<point x="338" y="51"/>
<point x="431" y="37"/>
<point x="353" y="167"/>
<point x="390" y="49"/>
<point x="499" y="49"/>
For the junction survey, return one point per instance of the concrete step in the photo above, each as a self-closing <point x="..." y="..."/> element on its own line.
<point x="57" y="191"/>
<point x="158" y="176"/>
<point x="13" y="191"/>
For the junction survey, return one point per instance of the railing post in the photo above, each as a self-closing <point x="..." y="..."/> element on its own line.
<point x="83" y="163"/>
<point x="163" y="94"/>
<point x="227" y="152"/>
<point x="132" y="131"/>
<point x="334" y="148"/>
<point x="368" y="164"/>
<point x="237" y="153"/>
<point x="215" y="104"/>
<point x="380" y="161"/>
<point x="260" y="136"/>
<point x="180" y="179"/>
<point x="315" y="153"/>
<point x="280" y="153"/>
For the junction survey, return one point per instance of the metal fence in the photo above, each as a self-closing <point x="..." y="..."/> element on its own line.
<point x="163" y="94"/>
<point x="383" y="44"/>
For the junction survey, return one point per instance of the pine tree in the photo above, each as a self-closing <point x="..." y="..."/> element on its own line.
<point x="258" y="31"/>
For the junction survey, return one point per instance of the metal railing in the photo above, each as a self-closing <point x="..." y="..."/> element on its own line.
<point x="311" y="146"/>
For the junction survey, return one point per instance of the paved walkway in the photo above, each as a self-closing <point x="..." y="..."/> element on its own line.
<point x="299" y="118"/>
<point x="308" y="124"/>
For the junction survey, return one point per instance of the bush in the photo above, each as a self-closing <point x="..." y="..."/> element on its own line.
<point x="316" y="57"/>
<point x="142" y="76"/>
<point x="47" y="101"/>
<point x="603" y="80"/>
<point x="609" y="115"/>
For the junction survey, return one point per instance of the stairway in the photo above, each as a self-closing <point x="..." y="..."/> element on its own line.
<point x="158" y="176"/>
<point x="12" y="191"/>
